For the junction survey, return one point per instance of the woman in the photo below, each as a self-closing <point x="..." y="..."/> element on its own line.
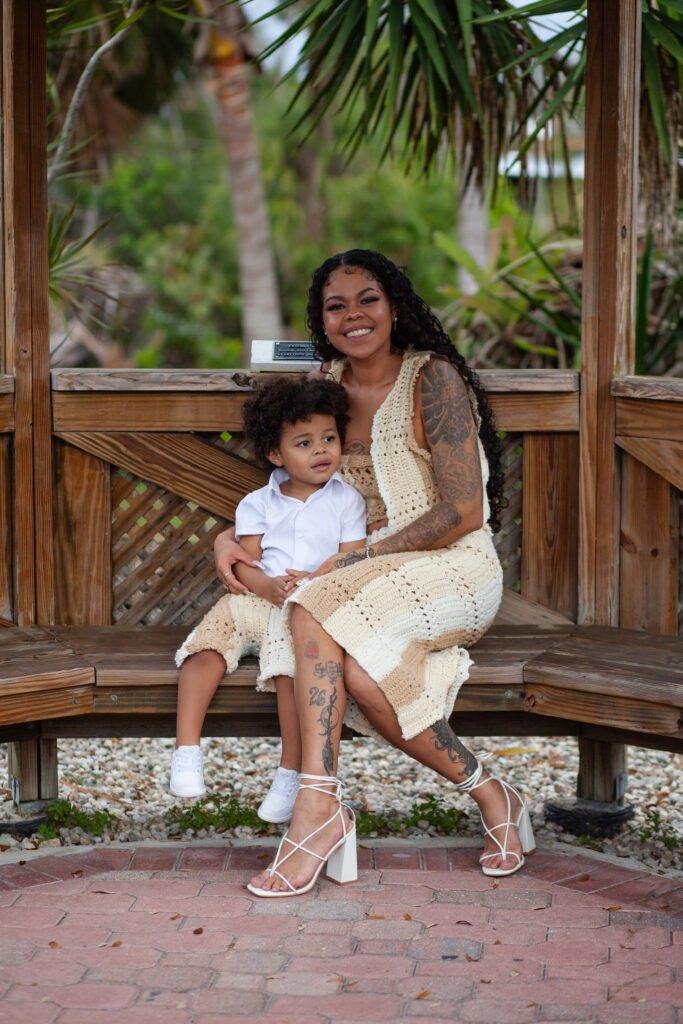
<point x="390" y="626"/>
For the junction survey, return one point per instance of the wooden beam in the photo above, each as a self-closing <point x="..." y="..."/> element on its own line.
<point x="6" y="538"/>
<point x="649" y="550"/>
<point x="639" y="417"/>
<point x="122" y="412"/>
<point x="607" y="331"/>
<point x="657" y="389"/>
<point x="6" y="414"/>
<point x="550" y="521"/>
<point x="25" y="307"/>
<point x="82" y="538"/>
<point x="180" y="463"/>
<point x="663" y="457"/>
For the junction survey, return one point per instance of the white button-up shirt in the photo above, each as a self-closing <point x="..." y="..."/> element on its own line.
<point x="301" y="534"/>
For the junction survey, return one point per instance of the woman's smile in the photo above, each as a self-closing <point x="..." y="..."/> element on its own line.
<point x="356" y="313"/>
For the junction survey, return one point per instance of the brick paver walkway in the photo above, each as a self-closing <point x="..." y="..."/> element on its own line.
<point x="169" y="934"/>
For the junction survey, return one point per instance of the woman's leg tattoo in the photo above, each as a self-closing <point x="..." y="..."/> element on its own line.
<point x="326" y="700"/>
<point x="446" y="741"/>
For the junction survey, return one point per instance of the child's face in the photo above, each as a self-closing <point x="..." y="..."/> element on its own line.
<point x="310" y="450"/>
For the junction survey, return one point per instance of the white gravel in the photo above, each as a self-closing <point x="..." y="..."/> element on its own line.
<point x="129" y="778"/>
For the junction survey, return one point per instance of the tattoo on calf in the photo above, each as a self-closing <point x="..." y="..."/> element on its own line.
<point x="329" y="714"/>
<point x="458" y="754"/>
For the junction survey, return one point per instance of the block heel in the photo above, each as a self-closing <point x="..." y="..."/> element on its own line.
<point x="342" y="866"/>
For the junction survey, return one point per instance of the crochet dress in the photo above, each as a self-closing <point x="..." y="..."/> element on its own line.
<point x="407" y="618"/>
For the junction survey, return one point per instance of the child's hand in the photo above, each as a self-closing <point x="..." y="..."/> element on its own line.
<point x="277" y="590"/>
<point x="294" y="575"/>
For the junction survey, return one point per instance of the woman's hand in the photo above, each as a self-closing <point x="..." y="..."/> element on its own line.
<point x="226" y="552"/>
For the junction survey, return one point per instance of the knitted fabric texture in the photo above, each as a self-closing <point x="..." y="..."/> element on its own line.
<point x="243" y="624"/>
<point x="408" y="618"/>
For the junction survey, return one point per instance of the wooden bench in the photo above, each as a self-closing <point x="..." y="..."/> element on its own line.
<point x="549" y="677"/>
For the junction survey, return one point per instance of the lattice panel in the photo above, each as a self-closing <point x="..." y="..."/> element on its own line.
<point x="508" y="540"/>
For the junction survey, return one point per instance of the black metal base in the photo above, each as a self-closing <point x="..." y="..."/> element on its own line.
<point x="589" y="817"/>
<point x="22" y="827"/>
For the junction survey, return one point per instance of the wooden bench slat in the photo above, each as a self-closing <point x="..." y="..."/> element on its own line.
<point x="32" y="706"/>
<point x="604" y="709"/>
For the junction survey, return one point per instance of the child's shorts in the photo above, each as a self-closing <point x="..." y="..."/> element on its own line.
<point x="242" y="624"/>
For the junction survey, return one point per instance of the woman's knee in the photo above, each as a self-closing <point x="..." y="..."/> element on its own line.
<point x="301" y="622"/>
<point x="360" y="685"/>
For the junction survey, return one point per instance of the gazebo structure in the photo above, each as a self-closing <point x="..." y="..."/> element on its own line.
<point x="601" y="464"/>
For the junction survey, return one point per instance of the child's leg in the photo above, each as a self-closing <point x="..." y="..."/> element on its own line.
<point x="289" y="723"/>
<point x="199" y="678"/>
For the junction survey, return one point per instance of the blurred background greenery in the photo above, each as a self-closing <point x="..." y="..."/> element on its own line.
<point x="148" y="239"/>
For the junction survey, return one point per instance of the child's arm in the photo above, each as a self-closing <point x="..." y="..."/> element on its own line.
<point x="273" y="588"/>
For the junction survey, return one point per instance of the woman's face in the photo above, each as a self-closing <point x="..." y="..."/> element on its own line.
<point x="357" y="315"/>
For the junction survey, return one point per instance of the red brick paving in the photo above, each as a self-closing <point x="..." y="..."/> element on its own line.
<point x="170" y="935"/>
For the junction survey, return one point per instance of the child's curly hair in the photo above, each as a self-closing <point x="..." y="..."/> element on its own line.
<point x="282" y="401"/>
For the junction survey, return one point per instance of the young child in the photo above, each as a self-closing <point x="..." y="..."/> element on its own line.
<point x="304" y="515"/>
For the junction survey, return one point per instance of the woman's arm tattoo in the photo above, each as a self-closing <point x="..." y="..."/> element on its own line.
<point x="349" y="558"/>
<point x="446" y="740"/>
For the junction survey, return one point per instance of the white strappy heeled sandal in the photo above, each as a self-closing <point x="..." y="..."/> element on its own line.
<point x="523" y="825"/>
<point x="340" y="859"/>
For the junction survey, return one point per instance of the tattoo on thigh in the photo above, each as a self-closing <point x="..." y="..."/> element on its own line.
<point x="311" y="650"/>
<point x="446" y="740"/>
<point x="331" y="670"/>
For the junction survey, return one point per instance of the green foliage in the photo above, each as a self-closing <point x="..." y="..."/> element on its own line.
<point x="64" y="814"/>
<point x="432" y="810"/>
<point x="221" y="812"/>
<point x="171" y="222"/>
<point x="657" y="829"/>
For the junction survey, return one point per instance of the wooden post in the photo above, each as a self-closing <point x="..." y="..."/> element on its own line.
<point x="25" y="344"/>
<point x="607" y="330"/>
<point x="25" y="309"/>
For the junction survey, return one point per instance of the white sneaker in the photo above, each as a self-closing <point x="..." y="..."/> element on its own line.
<point x="279" y="800"/>
<point x="187" y="777"/>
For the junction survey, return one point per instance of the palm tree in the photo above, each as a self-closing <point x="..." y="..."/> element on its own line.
<point x="225" y="45"/>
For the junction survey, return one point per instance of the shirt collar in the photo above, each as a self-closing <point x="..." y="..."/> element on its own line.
<point x="280" y="474"/>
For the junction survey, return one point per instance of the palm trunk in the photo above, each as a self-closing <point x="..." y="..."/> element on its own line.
<point x="261" y="316"/>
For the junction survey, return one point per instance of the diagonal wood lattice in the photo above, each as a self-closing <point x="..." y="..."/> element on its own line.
<point x="162" y="550"/>
<point x="162" y="545"/>
<point x="508" y="540"/>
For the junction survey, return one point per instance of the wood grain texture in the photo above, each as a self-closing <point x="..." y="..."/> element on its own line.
<point x="182" y="464"/>
<point x="639" y="417"/>
<point x="607" y="331"/>
<point x="75" y="699"/>
<point x="6" y="384"/>
<point x="663" y="457"/>
<point x="82" y="538"/>
<point x="617" y="711"/>
<point x="550" y="521"/>
<point x="16" y="260"/>
<point x="6" y="532"/>
<point x="531" y="412"/>
<point x="656" y="389"/>
<point x="150" y="380"/>
<point x="145" y="412"/>
<point x="241" y="380"/>
<point x="35" y="248"/>
<point x="649" y="550"/>
<point x="518" y="610"/>
<point x="7" y="423"/>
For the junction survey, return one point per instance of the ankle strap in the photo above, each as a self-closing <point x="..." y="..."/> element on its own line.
<point x="319" y="782"/>
<point x="473" y="781"/>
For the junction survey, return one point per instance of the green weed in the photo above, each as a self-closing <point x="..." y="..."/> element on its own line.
<point x="64" y="814"/>
<point x="221" y="812"/>
<point x="658" y="829"/>
<point x="446" y="820"/>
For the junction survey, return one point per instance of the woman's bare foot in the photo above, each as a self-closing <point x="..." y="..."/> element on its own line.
<point x="311" y="811"/>
<point x="498" y="805"/>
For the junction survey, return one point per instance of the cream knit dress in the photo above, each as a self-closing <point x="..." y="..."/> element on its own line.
<point x="407" y="618"/>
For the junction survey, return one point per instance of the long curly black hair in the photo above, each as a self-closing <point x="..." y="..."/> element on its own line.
<point x="416" y="328"/>
<point x="282" y="401"/>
